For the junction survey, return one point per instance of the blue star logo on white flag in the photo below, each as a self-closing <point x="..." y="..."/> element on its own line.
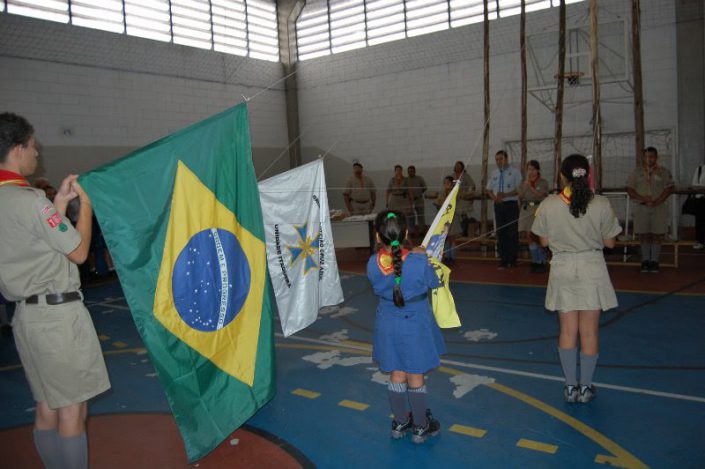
<point x="306" y="249"/>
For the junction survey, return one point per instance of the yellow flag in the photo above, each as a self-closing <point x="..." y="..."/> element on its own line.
<point x="210" y="285"/>
<point x="442" y="299"/>
<point x="434" y="242"/>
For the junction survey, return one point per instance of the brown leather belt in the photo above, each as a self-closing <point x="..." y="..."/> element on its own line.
<point x="55" y="298"/>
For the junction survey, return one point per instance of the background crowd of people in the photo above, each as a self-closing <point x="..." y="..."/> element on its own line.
<point x="515" y="199"/>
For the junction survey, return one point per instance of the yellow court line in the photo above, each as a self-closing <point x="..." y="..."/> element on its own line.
<point x="119" y="344"/>
<point x="469" y="431"/>
<point x="103" y="337"/>
<point x="353" y="404"/>
<point x="306" y="393"/>
<point x="537" y="446"/>
<point x="621" y="458"/>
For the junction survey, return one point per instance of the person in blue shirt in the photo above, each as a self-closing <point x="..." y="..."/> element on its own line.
<point x="407" y="342"/>
<point x="502" y="189"/>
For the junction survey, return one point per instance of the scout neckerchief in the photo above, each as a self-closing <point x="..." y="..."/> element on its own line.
<point x="566" y="194"/>
<point x="384" y="260"/>
<point x="9" y="177"/>
<point x="532" y="182"/>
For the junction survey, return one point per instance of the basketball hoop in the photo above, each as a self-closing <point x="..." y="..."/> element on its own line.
<point x="573" y="78"/>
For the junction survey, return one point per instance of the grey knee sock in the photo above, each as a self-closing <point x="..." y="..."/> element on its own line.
<point x="417" y="400"/>
<point x="655" y="252"/>
<point x="569" y="363"/>
<point x="645" y="251"/>
<point x="74" y="450"/>
<point x="588" y="363"/>
<point x="47" y="444"/>
<point x="398" y="401"/>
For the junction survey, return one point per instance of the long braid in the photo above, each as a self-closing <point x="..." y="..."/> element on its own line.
<point x="397" y="261"/>
<point x="392" y="232"/>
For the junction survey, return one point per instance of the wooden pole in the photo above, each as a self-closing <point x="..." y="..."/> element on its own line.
<point x="486" y="130"/>
<point x="596" y="113"/>
<point x="559" y="98"/>
<point x="638" y="91"/>
<point x="522" y="43"/>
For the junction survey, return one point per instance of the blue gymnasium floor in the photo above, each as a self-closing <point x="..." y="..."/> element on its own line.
<point x="498" y="394"/>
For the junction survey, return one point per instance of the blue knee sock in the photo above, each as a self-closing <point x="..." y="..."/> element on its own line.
<point x="398" y="401"/>
<point x="417" y="400"/>
<point x="533" y="250"/>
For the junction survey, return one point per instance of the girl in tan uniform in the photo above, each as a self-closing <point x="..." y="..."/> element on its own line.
<point x="531" y="192"/>
<point x="576" y="225"/>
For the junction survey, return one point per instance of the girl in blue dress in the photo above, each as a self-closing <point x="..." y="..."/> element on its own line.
<point x="407" y="341"/>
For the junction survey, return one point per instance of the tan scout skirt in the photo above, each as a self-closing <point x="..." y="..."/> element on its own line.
<point x="579" y="282"/>
<point x="60" y="352"/>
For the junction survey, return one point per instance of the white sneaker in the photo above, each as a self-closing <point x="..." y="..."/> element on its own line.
<point x="698" y="246"/>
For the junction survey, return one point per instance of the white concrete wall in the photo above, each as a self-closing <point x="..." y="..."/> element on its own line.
<point x="92" y="96"/>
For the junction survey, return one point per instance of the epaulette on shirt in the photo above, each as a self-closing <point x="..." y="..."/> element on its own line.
<point x="385" y="263"/>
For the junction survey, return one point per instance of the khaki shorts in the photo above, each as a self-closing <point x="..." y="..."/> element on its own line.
<point x="60" y="352"/>
<point x="651" y="219"/>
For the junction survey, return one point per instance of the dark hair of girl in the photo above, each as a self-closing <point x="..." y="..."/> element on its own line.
<point x="576" y="169"/>
<point x="535" y="164"/>
<point x="391" y="228"/>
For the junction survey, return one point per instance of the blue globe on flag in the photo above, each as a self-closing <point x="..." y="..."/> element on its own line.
<point x="211" y="280"/>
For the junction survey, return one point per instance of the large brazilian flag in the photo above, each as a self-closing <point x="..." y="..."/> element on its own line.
<point x="183" y="223"/>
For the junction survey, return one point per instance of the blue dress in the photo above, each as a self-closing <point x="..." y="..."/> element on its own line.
<point x="406" y="338"/>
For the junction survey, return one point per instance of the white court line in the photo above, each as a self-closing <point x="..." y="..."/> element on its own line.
<point x="683" y="397"/>
<point x="110" y="304"/>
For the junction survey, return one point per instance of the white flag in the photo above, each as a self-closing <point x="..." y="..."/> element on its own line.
<point x="300" y="252"/>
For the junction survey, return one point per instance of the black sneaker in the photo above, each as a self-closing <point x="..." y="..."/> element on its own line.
<point x="645" y="266"/>
<point x="586" y="393"/>
<point x="654" y="267"/>
<point x="400" y="429"/>
<point x="420" y="434"/>
<point x="570" y="393"/>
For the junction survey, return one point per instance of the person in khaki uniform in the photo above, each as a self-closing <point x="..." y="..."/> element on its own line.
<point x="360" y="193"/>
<point x="417" y="187"/>
<point x="397" y="193"/>
<point x="465" y="193"/>
<point x="650" y="186"/>
<point x="576" y="225"/>
<point x="54" y="334"/>
<point x="531" y="192"/>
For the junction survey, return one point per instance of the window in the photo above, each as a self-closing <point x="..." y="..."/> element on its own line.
<point x="240" y="27"/>
<point x="98" y="14"/>
<point x="313" y="30"/>
<point x="191" y="23"/>
<point x="148" y="18"/>
<point x="52" y="10"/>
<point x="327" y="27"/>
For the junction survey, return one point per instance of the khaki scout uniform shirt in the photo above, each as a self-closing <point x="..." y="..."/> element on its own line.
<point x="650" y="184"/>
<point x="35" y="242"/>
<point x="416" y="186"/>
<point x="360" y="192"/>
<point x="578" y="279"/>
<point x="650" y="219"/>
